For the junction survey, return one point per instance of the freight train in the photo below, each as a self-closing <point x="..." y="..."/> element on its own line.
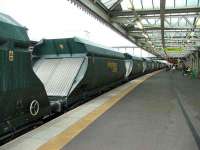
<point x="56" y="75"/>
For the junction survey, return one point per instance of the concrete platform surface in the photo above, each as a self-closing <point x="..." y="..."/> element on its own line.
<point x="149" y="118"/>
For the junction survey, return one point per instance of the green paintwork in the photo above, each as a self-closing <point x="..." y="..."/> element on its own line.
<point x="19" y="85"/>
<point x="137" y="67"/>
<point x="73" y="46"/>
<point x="173" y="49"/>
<point x="105" y="68"/>
<point x="149" y="65"/>
<point x="98" y="77"/>
<point x="11" y="30"/>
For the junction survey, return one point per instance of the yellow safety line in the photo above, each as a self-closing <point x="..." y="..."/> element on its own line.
<point x="68" y="134"/>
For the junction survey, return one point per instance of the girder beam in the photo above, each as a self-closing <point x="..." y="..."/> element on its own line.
<point x="131" y="28"/>
<point x="162" y="20"/>
<point x="156" y="11"/>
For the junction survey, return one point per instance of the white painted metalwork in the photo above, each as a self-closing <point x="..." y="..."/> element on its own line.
<point x="60" y="75"/>
<point x="129" y="67"/>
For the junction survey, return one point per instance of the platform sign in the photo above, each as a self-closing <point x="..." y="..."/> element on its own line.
<point x="173" y="49"/>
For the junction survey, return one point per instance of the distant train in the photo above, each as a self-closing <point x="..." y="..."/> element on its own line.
<point x="57" y="75"/>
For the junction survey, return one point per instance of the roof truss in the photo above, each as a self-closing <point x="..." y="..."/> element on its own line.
<point x="161" y="25"/>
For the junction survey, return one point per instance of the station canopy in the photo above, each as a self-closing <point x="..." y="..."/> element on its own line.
<point x="166" y="28"/>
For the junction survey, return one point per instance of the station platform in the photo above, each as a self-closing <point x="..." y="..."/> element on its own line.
<point x="149" y="118"/>
<point x="159" y="111"/>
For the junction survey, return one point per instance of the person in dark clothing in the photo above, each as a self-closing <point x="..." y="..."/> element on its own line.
<point x="184" y="69"/>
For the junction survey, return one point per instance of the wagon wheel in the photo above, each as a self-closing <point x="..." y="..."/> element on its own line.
<point x="34" y="107"/>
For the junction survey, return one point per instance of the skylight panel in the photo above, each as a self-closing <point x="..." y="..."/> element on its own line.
<point x="147" y="4"/>
<point x="169" y="3"/>
<point x="174" y="21"/>
<point x="167" y="22"/>
<point x="137" y="4"/>
<point x="156" y="4"/>
<point x="180" y="3"/>
<point x="126" y="5"/>
<point x="152" y="21"/>
<point x="191" y="19"/>
<point x="144" y="22"/>
<point x="192" y="3"/>
<point x="182" y="22"/>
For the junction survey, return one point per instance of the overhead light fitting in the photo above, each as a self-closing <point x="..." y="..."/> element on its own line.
<point x="192" y="34"/>
<point x="145" y="35"/>
<point x="198" y="22"/>
<point x="149" y="42"/>
<point x="139" y="25"/>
